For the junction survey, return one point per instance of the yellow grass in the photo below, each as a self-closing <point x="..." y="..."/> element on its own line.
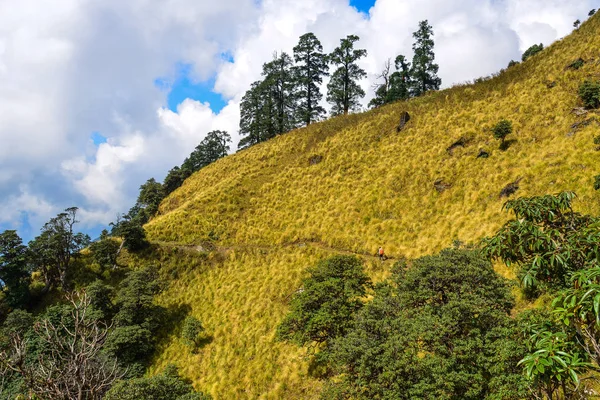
<point x="373" y="187"/>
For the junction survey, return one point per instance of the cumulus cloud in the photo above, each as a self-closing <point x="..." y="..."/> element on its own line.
<point x="72" y="67"/>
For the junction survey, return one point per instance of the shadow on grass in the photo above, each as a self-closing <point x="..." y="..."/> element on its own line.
<point x="507" y="143"/>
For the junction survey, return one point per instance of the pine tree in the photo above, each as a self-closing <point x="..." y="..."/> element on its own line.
<point x="251" y="116"/>
<point x="400" y="81"/>
<point x="281" y="86"/>
<point x="424" y="70"/>
<point x="343" y="90"/>
<point x="311" y="67"/>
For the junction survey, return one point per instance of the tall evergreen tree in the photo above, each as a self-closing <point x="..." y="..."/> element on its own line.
<point x="343" y="90"/>
<point x="400" y="81"/>
<point x="424" y="70"/>
<point x="280" y="83"/>
<point x="311" y="67"/>
<point x="252" y="125"/>
<point x="13" y="268"/>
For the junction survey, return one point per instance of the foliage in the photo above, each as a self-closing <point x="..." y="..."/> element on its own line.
<point x="192" y="328"/>
<point x="576" y="24"/>
<point x="554" y="360"/>
<point x="576" y="64"/>
<point x="592" y="12"/>
<point x="281" y="88"/>
<point x="130" y="229"/>
<point x="14" y="276"/>
<point x="589" y="92"/>
<point x="439" y="329"/>
<point x="311" y="66"/>
<point x="502" y="129"/>
<point x="343" y="90"/>
<point x="547" y="240"/>
<point x="597" y="182"/>
<point x="322" y="310"/>
<point x="532" y="51"/>
<point x="168" y="385"/>
<point x="105" y="251"/>
<point x="396" y="86"/>
<point x="512" y="63"/>
<point x="61" y="356"/>
<point x="149" y="198"/>
<point x="137" y="320"/>
<point x="51" y="252"/>
<point x="424" y="71"/>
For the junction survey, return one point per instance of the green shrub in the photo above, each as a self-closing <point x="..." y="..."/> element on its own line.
<point x="192" y="328"/>
<point x="502" y="129"/>
<point x="597" y="182"/>
<point x="589" y="92"/>
<point x="576" y="64"/>
<point x="532" y="51"/>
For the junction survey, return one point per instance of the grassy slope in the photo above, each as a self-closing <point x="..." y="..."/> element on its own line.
<point x="373" y="187"/>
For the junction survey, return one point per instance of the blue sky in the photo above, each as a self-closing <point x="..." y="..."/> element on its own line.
<point x="362" y="5"/>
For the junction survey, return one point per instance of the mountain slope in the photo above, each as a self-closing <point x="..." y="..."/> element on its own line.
<point x="272" y="212"/>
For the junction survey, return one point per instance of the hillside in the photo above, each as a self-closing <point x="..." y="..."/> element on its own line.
<point x="271" y="212"/>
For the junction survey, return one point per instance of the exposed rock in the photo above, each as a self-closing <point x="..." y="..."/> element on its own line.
<point x="576" y="64"/>
<point x="579" y="111"/>
<point x="462" y="142"/>
<point x="510" y="189"/>
<point x="441" y="186"/>
<point x="483" y="154"/>
<point x="550" y="84"/>
<point x="581" y="124"/>
<point x="404" y="118"/>
<point x="315" y="159"/>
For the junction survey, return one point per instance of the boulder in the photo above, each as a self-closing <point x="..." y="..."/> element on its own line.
<point x="404" y="118"/>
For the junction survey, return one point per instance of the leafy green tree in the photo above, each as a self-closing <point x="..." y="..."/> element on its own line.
<point x="129" y="227"/>
<point x="343" y="90"/>
<point x="105" y="251"/>
<point x="589" y="92"/>
<point x="51" y="252"/>
<point x="501" y="130"/>
<point x="546" y="241"/>
<point x="280" y="82"/>
<point x="168" y="385"/>
<point x="554" y="361"/>
<point x="151" y="194"/>
<point x="175" y="178"/>
<point x="192" y="329"/>
<point x="311" y="66"/>
<point x="532" y="51"/>
<point x="438" y="329"/>
<point x="323" y="309"/>
<point x="424" y="71"/>
<point x="133" y="338"/>
<point x="14" y="276"/>
<point x="213" y="147"/>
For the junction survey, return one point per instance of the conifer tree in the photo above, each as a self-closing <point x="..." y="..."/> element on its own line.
<point x="280" y="84"/>
<point x="400" y="81"/>
<point x="252" y="115"/>
<point x="343" y="90"/>
<point x="311" y="66"/>
<point x="424" y="70"/>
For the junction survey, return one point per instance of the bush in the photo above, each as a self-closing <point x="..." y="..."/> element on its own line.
<point x="512" y="63"/>
<point x="576" y="64"/>
<point x="589" y="92"/>
<point x="592" y="12"/>
<point x="532" y="51"/>
<point x="166" y="386"/>
<point x="597" y="182"/>
<point x="502" y="129"/>
<point x="323" y="309"/>
<point x="438" y="329"/>
<point x="192" y="328"/>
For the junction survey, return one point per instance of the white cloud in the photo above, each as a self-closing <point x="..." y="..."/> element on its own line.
<point x="71" y="67"/>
